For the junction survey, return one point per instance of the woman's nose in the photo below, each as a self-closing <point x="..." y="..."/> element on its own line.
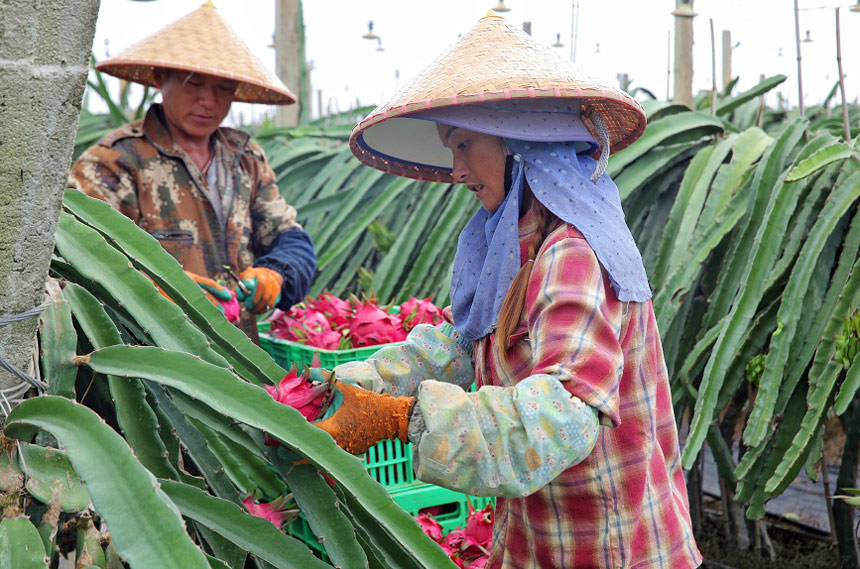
<point x="459" y="171"/>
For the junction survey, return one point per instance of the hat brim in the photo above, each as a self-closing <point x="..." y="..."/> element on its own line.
<point x="421" y="156"/>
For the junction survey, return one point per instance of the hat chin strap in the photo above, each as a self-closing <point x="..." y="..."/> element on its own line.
<point x="603" y="135"/>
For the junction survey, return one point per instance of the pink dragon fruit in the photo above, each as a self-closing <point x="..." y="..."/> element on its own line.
<point x="468" y="547"/>
<point x="296" y="391"/>
<point x="335" y="309"/>
<point x="305" y="325"/>
<point x="231" y="308"/>
<point x="274" y="511"/>
<point x="430" y="526"/>
<point x="479" y="529"/>
<point x="419" y="311"/>
<point x="369" y="325"/>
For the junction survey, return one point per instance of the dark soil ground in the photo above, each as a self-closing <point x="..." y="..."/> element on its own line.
<point x="794" y="548"/>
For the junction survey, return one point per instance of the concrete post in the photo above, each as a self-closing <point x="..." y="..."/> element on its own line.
<point x="288" y="54"/>
<point x="727" y="59"/>
<point x="683" y="68"/>
<point x="44" y="55"/>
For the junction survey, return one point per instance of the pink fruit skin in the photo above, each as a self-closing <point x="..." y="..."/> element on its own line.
<point x="419" y="311"/>
<point x="335" y="309"/>
<point x="231" y="308"/>
<point x="370" y="325"/>
<point x="268" y="512"/>
<point x="479" y="527"/>
<point x="430" y="526"/>
<point x="304" y="325"/>
<point x="300" y="394"/>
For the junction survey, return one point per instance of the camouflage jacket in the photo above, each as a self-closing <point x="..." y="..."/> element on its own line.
<point x="140" y="172"/>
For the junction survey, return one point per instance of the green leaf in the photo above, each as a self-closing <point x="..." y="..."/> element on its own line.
<point x="58" y="342"/>
<point x="842" y="197"/>
<point x="50" y="475"/>
<point x="21" y="545"/>
<point x="329" y="524"/>
<point x="675" y="128"/>
<point x="144" y="525"/>
<point x="222" y="391"/>
<point x="88" y="252"/>
<point x="821" y="159"/>
<point x="731" y="103"/>
<point x="767" y="222"/>
<point x="256" y="535"/>
<point x="251" y="361"/>
<point x="360" y="224"/>
<point x="134" y="415"/>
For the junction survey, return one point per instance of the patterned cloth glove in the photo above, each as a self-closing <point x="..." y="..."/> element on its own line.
<point x="263" y="289"/>
<point x="364" y="418"/>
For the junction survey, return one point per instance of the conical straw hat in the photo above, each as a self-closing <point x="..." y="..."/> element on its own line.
<point x="202" y="42"/>
<point x="492" y="62"/>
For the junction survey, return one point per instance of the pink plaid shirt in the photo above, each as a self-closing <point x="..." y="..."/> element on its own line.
<point x="626" y="504"/>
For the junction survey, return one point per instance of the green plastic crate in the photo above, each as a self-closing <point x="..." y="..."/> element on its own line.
<point x="286" y="352"/>
<point x="449" y="508"/>
<point x="388" y="462"/>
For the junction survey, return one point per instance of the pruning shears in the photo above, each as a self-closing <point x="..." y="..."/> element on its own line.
<point x="239" y="282"/>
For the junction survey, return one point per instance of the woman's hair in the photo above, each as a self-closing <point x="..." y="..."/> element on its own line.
<point x="515" y="300"/>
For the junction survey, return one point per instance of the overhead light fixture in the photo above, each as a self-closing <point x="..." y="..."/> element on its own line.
<point x="501" y="7"/>
<point x="807" y="39"/>
<point x="597" y="49"/>
<point x="685" y="10"/>
<point x="370" y="35"/>
<point x="379" y="45"/>
<point x="558" y="41"/>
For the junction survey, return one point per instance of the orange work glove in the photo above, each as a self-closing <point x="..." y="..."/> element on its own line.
<point x="263" y="289"/>
<point x="365" y="418"/>
<point x="213" y="291"/>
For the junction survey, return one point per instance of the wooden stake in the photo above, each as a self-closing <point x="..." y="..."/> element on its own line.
<point x="668" y="62"/>
<point x="845" y="124"/>
<point x="799" y="70"/>
<point x="713" y="71"/>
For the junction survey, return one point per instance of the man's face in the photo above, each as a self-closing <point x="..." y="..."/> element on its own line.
<point x="195" y="104"/>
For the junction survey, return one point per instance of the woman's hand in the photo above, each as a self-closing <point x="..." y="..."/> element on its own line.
<point x="364" y="418"/>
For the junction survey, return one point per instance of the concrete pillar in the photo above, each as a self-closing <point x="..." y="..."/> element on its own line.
<point x="44" y="54"/>
<point x="683" y="67"/>
<point x="727" y="59"/>
<point x="289" y="49"/>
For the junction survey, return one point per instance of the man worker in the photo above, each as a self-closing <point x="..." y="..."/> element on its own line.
<point x="204" y="191"/>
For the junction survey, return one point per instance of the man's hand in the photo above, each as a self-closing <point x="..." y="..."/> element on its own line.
<point x="213" y="291"/>
<point x="365" y="418"/>
<point x="263" y="289"/>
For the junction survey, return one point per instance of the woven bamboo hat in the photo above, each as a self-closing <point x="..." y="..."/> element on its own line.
<point x="202" y="42"/>
<point x="493" y="62"/>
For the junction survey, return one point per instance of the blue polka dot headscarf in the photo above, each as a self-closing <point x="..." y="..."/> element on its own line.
<point x="573" y="187"/>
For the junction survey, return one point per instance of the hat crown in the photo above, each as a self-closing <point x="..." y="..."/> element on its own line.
<point x="203" y="42"/>
<point x="493" y="61"/>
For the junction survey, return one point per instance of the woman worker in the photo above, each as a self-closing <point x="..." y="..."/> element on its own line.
<point x="572" y="425"/>
<point x="204" y="191"/>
